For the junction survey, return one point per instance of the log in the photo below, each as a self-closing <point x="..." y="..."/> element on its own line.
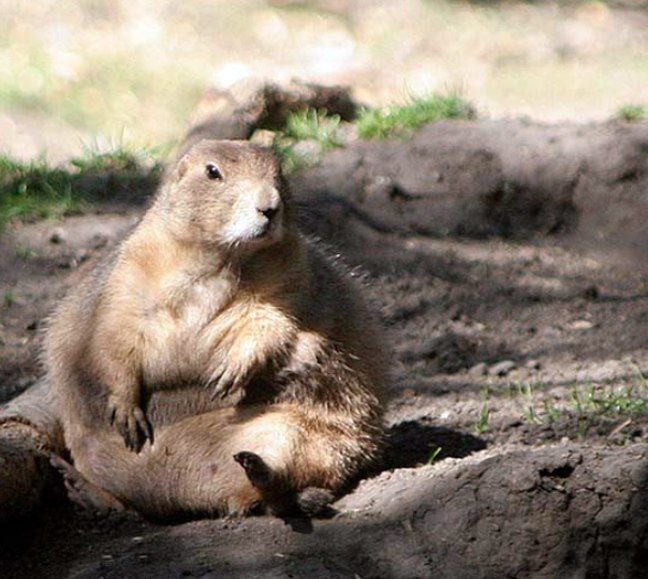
<point x="29" y="432"/>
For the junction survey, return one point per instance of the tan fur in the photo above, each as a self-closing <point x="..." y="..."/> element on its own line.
<point x="215" y="329"/>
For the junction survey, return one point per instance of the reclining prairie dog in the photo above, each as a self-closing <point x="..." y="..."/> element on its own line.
<point x="218" y="361"/>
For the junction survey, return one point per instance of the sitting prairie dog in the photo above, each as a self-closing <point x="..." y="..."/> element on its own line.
<point x="232" y="343"/>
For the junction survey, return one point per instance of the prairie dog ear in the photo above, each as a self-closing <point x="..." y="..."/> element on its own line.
<point x="181" y="168"/>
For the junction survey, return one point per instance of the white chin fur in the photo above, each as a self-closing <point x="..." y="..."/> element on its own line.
<point x="253" y="231"/>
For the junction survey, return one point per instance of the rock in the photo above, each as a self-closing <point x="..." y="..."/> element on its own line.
<point x="263" y="137"/>
<point x="502" y="368"/>
<point x="309" y="151"/>
<point x="478" y="369"/>
<point x="348" y="132"/>
<point x="57" y="236"/>
<point x="533" y="365"/>
<point x="581" y="325"/>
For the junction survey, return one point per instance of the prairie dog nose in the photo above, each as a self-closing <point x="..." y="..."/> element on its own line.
<point x="269" y="212"/>
<point x="268" y="202"/>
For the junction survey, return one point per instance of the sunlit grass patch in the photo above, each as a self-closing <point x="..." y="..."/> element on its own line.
<point x="309" y="124"/>
<point x="401" y="120"/>
<point x="585" y="404"/>
<point x="307" y="135"/>
<point x="631" y="113"/>
<point x="36" y="190"/>
<point x="609" y="400"/>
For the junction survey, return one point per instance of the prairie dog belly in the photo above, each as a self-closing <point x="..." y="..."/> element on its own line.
<point x="181" y="341"/>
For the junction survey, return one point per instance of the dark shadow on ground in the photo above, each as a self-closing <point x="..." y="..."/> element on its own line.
<point x="411" y="444"/>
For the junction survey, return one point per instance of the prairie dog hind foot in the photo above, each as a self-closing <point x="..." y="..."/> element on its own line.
<point x="310" y="502"/>
<point x="83" y="493"/>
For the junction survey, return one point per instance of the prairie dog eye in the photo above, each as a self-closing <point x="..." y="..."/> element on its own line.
<point x="213" y="172"/>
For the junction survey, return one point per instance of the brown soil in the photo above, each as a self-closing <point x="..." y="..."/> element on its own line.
<point x="502" y="257"/>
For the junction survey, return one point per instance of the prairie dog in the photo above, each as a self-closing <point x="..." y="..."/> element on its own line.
<point x="227" y="340"/>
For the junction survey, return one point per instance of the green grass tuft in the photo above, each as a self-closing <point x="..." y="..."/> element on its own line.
<point x="484" y="413"/>
<point x="589" y="404"/>
<point x="313" y="125"/>
<point x="434" y="455"/>
<point x="609" y="401"/>
<point x="632" y="113"/>
<point x="36" y="190"/>
<point x="307" y="135"/>
<point x="400" y="121"/>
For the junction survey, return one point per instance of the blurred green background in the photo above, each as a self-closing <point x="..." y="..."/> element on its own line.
<point x="105" y="73"/>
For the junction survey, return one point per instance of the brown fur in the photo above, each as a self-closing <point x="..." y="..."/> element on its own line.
<point x="214" y="331"/>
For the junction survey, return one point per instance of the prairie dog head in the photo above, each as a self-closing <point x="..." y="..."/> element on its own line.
<point x="227" y="193"/>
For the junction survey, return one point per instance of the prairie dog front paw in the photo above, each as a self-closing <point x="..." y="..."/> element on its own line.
<point x="130" y="421"/>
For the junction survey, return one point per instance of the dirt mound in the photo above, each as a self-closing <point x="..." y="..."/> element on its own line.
<point x="550" y="512"/>
<point x="482" y="179"/>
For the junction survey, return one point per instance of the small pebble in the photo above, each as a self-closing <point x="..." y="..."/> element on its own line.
<point x="98" y="241"/>
<point x="502" y="368"/>
<point x="478" y="369"/>
<point x="263" y="137"/>
<point x="581" y="325"/>
<point x="533" y="365"/>
<point x="82" y="256"/>
<point x="57" y="235"/>
<point x="513" y="422"/>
